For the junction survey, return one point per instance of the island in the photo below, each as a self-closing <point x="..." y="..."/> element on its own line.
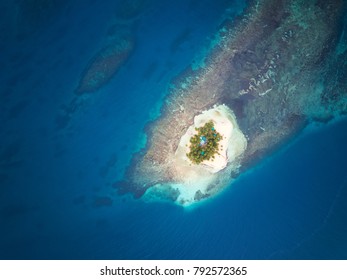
<point x="269" y="72"/>
<point x="195" y="172"/>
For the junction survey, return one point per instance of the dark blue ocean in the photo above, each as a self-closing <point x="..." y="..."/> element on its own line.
<point x="56" y="194"/>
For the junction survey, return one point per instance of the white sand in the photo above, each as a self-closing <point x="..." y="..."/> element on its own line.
<point x="193" y="177"/>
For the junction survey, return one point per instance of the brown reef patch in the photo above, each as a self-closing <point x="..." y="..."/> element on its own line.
<point x="104" y="65"/>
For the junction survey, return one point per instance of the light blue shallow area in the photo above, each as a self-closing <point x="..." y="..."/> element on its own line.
<point x="56" y="193"/>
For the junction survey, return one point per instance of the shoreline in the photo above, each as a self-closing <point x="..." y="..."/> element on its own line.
<point x="197" y="178"/>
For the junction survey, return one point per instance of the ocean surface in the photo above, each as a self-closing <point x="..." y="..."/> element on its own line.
<point x="56" y="194"/>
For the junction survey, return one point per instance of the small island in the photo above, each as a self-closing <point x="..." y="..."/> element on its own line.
<point x="204" y="145"/>
<point x="208" y="152"/>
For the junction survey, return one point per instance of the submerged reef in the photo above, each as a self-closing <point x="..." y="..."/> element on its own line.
<point x="104" y="65"/>
<point x="276" y="67"/>
<point x="116" y="48"/>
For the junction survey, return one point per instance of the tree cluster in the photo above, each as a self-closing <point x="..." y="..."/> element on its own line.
<point x="205" y="144"/>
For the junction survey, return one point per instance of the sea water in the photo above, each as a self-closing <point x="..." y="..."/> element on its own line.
<point x="57" y="200"/>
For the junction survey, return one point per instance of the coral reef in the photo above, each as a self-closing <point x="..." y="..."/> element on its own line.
<point x="104" y="65"/>
<point x="275" y="67"/>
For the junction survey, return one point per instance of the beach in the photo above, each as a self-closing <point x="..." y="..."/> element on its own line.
<point x="193" y="181"/>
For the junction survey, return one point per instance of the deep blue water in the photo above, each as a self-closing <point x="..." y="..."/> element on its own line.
<point x="56" y="195"/>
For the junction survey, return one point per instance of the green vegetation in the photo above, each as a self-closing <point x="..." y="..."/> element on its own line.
<point x="204" y="144"/>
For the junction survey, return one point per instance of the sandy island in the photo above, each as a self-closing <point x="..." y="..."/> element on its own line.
<point x="195" y="180"/>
